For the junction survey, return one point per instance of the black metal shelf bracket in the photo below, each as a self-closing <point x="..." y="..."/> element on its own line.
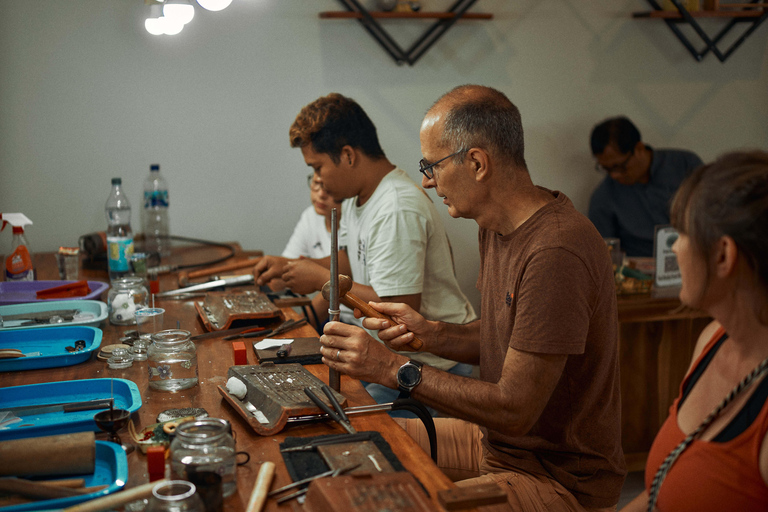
<point x="710" y="43"/>
<point x="421" y="45"/>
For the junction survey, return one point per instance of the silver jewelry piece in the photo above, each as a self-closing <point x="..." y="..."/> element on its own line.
<point x="337" y="355"/>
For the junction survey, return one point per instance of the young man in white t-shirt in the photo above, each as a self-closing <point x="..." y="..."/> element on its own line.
<point x="311" y="238"/>
<point x="391" y="238"/>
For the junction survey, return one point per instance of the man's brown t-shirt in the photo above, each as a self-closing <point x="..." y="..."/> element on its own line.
<point x="548" y="288"/>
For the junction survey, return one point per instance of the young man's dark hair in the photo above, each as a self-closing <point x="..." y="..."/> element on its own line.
<point x="332" y="122"/>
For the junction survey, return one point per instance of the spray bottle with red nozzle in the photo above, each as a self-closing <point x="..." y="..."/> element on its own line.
<point x="18" y="266"/>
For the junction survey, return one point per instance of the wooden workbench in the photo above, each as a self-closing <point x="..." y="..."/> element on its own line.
<point x="214" y="358"/>
<point x="656" y="341"/>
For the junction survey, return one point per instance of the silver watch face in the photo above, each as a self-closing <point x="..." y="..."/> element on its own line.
<point x="408" y="376"/>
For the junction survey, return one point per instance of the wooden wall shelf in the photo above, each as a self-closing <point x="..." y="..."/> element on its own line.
<point x="753" y="13"/>
<point x="370" y="22"/>
<point x="406" y="15"/>
<point x="700" y="14"/>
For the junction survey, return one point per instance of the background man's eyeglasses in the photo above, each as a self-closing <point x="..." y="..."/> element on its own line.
<point x="314" y="185"/>
<point x="622" y="167"/>
<point x="427" y="169"/>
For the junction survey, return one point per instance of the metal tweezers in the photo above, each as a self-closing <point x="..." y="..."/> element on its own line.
<point x="301" y="492"/>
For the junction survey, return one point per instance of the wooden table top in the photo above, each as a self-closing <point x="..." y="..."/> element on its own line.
<point x="215" y="356"/>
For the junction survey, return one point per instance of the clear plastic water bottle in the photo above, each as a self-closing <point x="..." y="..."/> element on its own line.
<point x="119" y="234"/>
<point x="155" y="220"/>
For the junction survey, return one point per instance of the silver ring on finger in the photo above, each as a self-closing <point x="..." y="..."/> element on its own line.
<point x="337" y="355"/>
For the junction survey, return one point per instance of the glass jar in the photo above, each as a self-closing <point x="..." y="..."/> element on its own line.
<point x="175" y="496"/>
<point x="172" y="361"/>
<point x="205" y="446"/>
<point x="121" y="358"/>
<point x="126" y="295"/>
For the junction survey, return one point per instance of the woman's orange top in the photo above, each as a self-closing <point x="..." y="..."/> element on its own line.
<point x="717" y="475"/>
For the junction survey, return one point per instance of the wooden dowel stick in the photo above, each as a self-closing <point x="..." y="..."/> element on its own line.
<point x="117" y="499"/>
<point x="67" y="482"/>
<point x="36" y="491"/>
<point x="261" y="488"/>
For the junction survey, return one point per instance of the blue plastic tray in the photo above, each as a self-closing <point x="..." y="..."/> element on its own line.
<point x="125" y="393"/>
<point x="96" y="308"/>
<point x="111" y="470"/>
<point x="16" y="292"/>
<point x="51" y="343"/>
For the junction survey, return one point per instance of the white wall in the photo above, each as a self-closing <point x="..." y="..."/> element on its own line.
<point x="87" y="94"/>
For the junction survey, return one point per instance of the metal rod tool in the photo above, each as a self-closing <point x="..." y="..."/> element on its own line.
<point x="334" y="377"/>
<point x="361" y="409"/>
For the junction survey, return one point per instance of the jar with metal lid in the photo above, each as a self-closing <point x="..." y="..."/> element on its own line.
<point x="126" y="295"/>
<point x="205" y="446"/>
<point x="172" y="360"/>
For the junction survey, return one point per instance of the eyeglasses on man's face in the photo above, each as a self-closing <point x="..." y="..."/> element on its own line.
<point x="427" y="169"/>
<point x="314" y="185"/>
<point x="620" y="168"/>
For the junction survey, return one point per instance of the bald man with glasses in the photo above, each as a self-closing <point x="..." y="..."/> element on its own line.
<point x="639" y="183"/>
<point x="542" y="420"/>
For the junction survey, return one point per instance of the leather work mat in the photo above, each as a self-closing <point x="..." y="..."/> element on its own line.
<point x="303" y="351"/>
<point x="304" y="464"/>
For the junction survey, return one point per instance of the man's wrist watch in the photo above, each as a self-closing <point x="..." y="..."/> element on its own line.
<point x="409" y="376"/>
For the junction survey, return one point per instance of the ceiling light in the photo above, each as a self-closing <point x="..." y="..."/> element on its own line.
<point x="214" y="5"/>
<point x="171" y="27"/>
<point x="180" y="11"/>
<point x="154" y="23"/>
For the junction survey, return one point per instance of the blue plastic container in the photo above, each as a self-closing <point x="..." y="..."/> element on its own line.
<point x="125" y="393"/>
<point x="51" y="344"/>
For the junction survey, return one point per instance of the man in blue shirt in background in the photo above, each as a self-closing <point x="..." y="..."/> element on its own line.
<point x="638" y="187"/>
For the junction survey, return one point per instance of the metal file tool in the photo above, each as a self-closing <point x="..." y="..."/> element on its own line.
<point x="230" y="281"/>
<point x="34" y="410"/>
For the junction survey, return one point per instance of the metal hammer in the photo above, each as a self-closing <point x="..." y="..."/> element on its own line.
<point x="353" y="302"/>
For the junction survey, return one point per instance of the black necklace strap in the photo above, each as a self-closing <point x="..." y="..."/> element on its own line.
<point x="674" y="454"/>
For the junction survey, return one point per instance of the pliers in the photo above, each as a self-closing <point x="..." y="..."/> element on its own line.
<point x="338" y="415"/>
<point x="331" y="473"/>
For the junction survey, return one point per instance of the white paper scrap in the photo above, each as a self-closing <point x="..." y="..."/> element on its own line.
<point x="271" y="343"/>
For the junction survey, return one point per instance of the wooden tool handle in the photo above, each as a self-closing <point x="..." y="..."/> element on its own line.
<point x="261" y="488"/>
<point x="222" y="268"/>
<point x="65" y="454"/>
<point x="352" y="302"/>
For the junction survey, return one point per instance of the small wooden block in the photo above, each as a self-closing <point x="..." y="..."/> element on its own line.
<point x="156" y="462"/>
<point x="470" y="497"/>
<point x="375" y="492"/>
<point x="240" y="355"/>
